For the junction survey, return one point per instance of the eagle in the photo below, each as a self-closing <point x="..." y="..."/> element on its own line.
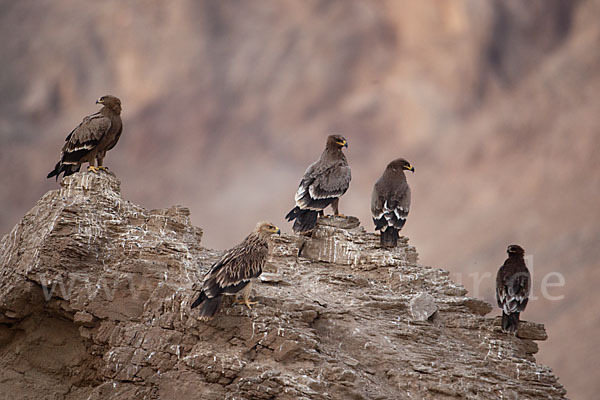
<point x="323" y="183"/>
<point x="513" y="283"/>
<point x="91" y="139"/>
<point x="233" y="273"/>
<point x="390" y="201"/>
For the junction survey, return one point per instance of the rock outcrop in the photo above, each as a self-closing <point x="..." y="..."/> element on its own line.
<point x="94" y="303"/>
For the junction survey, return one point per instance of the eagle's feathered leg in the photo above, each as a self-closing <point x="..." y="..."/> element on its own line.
<point x="92" y="166"/>
<point x="245" y="293"/>
<point x="389" y="237"/>
<point x="510" y="322"/>
<point x="335" y="206"/>
<point x="100" y="166"/>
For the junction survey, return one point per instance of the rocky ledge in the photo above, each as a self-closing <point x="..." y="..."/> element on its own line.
<point x="94" y="303"/>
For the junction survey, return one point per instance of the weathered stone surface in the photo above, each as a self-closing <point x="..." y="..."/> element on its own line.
<point x="341" y="240"/>
<point x="94" y="303"/>
<point x="531" y="330"/>
<point x="422" y="307"/>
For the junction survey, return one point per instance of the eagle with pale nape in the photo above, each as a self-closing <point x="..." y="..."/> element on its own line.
<point x="323" y="183"/>
<point x="513" y="284"/>
<point x="390" y="201"/>
<point x="233" y="273"/>
<point x="91" y="139"/>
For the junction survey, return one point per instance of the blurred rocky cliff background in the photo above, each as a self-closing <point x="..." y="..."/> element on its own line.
<point x="495" y="103"/>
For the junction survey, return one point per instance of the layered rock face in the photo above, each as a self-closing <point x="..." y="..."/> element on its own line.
<point x="95" y="299"/>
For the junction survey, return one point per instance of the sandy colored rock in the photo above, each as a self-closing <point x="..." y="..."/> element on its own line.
<point x="94" y="303"/>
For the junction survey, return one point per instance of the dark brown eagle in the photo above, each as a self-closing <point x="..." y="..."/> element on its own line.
<point x="323" y="183"/>
<point x="233" y="273"/>
<point x="91" y="139"/>
<point x="390" y="201"/>
<point x="513" y="283"/>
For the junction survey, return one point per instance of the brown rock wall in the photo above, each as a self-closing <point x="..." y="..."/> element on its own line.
<point x="94" y="303"/>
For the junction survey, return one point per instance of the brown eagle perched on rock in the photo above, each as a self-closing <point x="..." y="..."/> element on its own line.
<point x="233" y="273"/>
<point x="390" y="201"/>
<point x="323" y="183"/>
<point x="91" y="139"/>
<point x="513" y="283"/>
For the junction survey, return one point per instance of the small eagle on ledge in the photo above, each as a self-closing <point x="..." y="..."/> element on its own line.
<point x="390" y="201"/>
<point x="323" y="183"/>
<point x="233" y="273"/>
<point x="513" y="284"/>
<point x="91" y="139"/>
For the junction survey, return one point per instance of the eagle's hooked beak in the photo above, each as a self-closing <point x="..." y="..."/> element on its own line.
<point x="512" y="249"/>
<point x="278" y="231"/>
<point x="99" y="101"/>
<point x="343" y="143"/>
<point x="410" y="168"/>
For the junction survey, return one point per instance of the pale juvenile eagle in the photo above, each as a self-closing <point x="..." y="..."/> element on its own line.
<point x="323" y="183"/>
<point x="233" y="273"/>
<point x="390" y="201"/>
<point x="91" y="139"/>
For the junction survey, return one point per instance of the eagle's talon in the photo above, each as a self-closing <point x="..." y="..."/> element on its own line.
<point x="93" y="169"/>
<point x="103" y="168"/>
<point x="246" y="302"/>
